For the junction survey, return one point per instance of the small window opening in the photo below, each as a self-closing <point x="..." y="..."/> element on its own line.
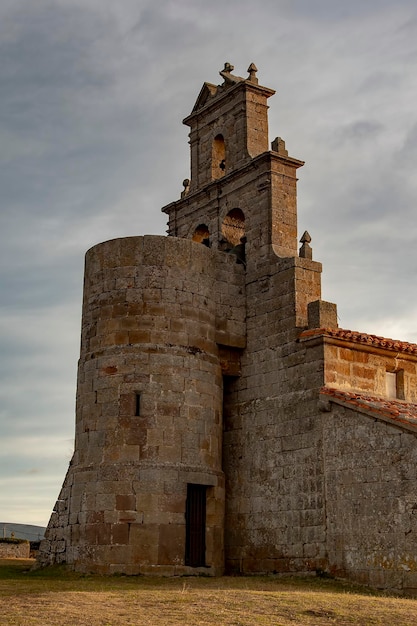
<point x="195" y="520"/>
<point x="137" y="404"/>
<point x="394" y="384"/>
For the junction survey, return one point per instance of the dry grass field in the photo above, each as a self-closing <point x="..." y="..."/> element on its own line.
<point x="56" y="597"/>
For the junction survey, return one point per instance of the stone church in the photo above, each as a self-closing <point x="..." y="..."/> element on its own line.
<point x="224" y="422"/>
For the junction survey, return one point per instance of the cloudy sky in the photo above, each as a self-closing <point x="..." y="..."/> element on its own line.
<point x="91" y="146"/>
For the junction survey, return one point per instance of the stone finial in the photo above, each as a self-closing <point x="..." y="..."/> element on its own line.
<point x="278" y="145"/>
<point x="305" y="251"/>
<point x="186" y="184"/>
<point x="252" y="69"/>
<point x="229" y="78"/>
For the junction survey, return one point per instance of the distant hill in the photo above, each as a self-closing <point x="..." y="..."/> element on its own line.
<point x="22" y="531"/>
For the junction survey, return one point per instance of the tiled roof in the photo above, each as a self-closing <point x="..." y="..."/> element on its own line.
<point x="396" y="411"/>
<point x="362" y="338"/>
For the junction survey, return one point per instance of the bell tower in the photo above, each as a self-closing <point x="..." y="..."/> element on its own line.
<point x="238" y="188"/>
<point x="229" y="126"/>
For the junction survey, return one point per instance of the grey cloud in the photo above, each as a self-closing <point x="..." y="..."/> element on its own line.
<point x="328" y="10"/>
<point x="91" y="145"/>
<point x="380" y="81"/>
<point x="360" y="130"/>
<point x="54" y="104"/>
<point x="409" y="149"/>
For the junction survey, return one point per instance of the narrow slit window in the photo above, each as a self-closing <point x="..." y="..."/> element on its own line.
<point x="137" y="405"/>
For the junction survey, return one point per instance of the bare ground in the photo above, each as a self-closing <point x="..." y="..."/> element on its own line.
<point x="55" y="597"/>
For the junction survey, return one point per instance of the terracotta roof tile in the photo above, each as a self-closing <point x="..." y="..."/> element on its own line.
<point x="397" y="411"/>
<point x="362" y="338"/>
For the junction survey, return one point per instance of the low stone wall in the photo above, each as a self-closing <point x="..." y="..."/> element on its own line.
<point x="13" y="550"/>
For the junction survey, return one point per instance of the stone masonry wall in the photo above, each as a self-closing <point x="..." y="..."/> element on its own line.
<point x="371" y="500"/>
<point x="284" y="206"/>
<point x="14" y="550"/>
<point x="352" y="367"/>
<point x="239" y="114"/>
<point x="275" y="515"/>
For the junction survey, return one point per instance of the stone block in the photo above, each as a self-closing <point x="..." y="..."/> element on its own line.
<point x="120" y="533"/>
<point x="144" y="542"/>
<point x="322" y="314"/>
<point x="125" y="502"/>
<point x="171" y="549"/>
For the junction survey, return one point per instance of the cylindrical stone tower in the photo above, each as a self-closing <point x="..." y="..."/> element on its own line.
<point x="145" y="489"/>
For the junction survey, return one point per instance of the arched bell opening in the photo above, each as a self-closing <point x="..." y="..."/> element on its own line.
<point x="233" y="227"/>
<point x="202" y="235"/>
<point x="233" y="235"/>
<point x="218" y="157"/>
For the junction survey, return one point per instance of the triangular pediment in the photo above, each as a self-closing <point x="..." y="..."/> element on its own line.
<point x="208" y="90"/>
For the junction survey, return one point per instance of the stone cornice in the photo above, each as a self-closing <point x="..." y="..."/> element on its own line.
<point x="193" y="196"/>
<point x="225" y="93"/>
